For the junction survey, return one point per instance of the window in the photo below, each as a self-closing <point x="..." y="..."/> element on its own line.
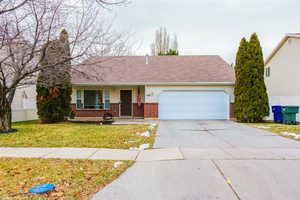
<point x="268" y="72"/>
<point x="79" y="104"/>
<point x="93" y="99"/>
<point x="106" y="99"/>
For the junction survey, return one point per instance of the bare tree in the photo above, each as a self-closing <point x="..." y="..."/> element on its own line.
<point x="174" y="45"/>
<point x="25" y="32"/>
<point x="105" y="3"/>
<point x="11" y="5"/>
<point x="163" y="42"/>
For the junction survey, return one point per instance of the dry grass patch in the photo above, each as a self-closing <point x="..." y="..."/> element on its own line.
<point x="74" y="179"/>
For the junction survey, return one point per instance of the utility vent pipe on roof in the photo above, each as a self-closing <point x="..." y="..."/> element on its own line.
<point x="147" y="59"/>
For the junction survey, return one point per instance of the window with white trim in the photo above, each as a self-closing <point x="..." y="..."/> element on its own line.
<point x="93" y="99"/>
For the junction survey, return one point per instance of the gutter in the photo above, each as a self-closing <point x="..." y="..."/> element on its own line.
<point x="153" y="83"/>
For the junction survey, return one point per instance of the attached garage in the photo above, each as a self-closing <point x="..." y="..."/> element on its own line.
<point x="194" y="105"/>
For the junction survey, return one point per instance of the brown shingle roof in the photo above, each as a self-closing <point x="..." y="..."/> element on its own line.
<point x="133" y="69"/>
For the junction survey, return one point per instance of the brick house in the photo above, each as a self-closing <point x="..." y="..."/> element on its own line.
<point x="164" y="87"/>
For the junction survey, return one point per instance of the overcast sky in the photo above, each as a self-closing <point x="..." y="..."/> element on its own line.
<point x="209" y="26"/>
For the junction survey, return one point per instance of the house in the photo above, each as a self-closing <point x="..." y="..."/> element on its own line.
<point x="282" y="72"/>
<point x="24" y="104"/>
<point x="164" y="87"/>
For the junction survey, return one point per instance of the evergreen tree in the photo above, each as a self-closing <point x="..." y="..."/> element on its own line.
<point x="259" y="107"/>
<point x="171" y="52"/>
<point x="54" y="81"/>
<point x="251" y="99"/>
<point x="240" y="89"/>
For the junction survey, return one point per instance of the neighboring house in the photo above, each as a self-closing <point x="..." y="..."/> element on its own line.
<point x="282" y="72"/>
<point x="164" y="87"/>
<point x="24" y="104"/>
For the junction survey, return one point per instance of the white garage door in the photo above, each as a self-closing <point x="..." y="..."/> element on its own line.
<point x="194" y="105"/>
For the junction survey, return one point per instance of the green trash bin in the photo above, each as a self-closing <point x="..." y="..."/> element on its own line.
<point x="289" y="114"/>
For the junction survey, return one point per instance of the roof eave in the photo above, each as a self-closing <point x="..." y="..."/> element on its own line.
<point x="153" y="83"/>
<point x="278" y="47"/>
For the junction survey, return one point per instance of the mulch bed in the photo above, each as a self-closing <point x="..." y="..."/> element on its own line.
<point x="9" y="131"/>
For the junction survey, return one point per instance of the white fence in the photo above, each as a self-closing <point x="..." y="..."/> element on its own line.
<point x="24" y="115"/>
<point x="283" y="101"/>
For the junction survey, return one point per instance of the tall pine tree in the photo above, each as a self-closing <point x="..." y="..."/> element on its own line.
<point x="240" y="88"/>
<point x="259" y="107"/>
<point x="251" y="99"/>
<point x="54" y="81"/>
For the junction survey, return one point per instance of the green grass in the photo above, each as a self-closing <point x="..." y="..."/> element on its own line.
<point x="278" y="128"/>
<point x="74" y="179"/>
<point x="34" y="134"/>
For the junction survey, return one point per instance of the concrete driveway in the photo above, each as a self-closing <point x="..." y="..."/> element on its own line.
<point x="221" y="160"/>
<point x="216" y="134"/>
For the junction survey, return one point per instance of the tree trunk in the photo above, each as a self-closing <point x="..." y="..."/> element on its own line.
<point x="5" y="118"/>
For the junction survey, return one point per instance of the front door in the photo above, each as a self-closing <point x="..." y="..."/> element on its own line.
<point x="126" y="102"/>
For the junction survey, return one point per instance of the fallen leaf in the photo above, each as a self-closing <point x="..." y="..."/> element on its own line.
<point x="28" y="169"/>
<point x="57" y="194"/>
<point x="21" y="184"/>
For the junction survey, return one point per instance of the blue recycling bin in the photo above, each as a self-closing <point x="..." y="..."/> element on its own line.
<point x="277" y="113"/>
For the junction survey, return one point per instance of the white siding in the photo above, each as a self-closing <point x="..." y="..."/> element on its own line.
<point x="24" y="115"/>
<point x="285" y="70"/>
<point x="152" y="92"/>
<point x="24" y="98"/>
<point x="283" y="85"/>
<point x="24" y="104"/>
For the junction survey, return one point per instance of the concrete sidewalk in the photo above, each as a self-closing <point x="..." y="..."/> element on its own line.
<point x="93" y="153"/>
<point x="156" y="154"/>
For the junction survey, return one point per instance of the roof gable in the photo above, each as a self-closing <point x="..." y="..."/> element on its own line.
<point x="280" y="45"/>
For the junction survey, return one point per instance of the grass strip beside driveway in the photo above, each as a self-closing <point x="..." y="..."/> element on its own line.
<point x="74" y="179"/>
<point x="34" y="134"/>
<point x="277" y="128"/>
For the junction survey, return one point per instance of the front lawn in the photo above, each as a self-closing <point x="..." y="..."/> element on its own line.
<point x="34" y="134"/>
<point x="279" y="129"/>
<point x="74" y="179"/>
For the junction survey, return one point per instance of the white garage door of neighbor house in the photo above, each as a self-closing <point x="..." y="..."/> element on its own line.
<point x="193" y="105"/>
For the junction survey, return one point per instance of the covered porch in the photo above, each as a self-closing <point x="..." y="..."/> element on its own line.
<point x="90" y="103"/>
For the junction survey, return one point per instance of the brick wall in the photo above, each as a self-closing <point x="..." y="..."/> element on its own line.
<point x="146" y="110"/>
<point x="232" y="115"/>
<point x="114" y="110"/>
<point x="138" y="111"/>
<point x="150" y="110"/>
